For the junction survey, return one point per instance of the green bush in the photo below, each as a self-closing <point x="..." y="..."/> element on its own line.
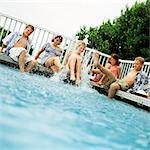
<point x="127" y="35"/>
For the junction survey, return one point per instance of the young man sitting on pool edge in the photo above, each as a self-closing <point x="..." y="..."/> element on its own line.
<point x="17" y="47"/>
<point x="128" y="80"/>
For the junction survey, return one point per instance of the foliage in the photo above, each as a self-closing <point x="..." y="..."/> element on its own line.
<point x="3" y="35"/>
<point x="128" y="35"/>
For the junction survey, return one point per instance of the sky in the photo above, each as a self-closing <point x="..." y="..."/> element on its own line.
<point x="65" y="16"/>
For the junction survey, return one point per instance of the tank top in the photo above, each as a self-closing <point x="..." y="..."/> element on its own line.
<point x="114" y="70"/>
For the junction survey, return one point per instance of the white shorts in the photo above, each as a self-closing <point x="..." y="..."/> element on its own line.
<point x="16" y="51"/>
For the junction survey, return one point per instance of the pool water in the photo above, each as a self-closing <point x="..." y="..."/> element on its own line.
<point x="37" y="113"/>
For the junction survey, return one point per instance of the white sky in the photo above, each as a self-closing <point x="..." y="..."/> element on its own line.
<point x="64" y="16"/>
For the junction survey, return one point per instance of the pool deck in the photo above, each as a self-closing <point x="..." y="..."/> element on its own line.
<point x="38" y="69"/>
<point x="138" y="101"/>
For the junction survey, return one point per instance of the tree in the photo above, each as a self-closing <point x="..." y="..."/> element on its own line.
<point x="3" y="35"/>
<point x="127" y="35"/>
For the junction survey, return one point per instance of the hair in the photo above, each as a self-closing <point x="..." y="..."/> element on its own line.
<point x="140" y="59"/>
<point x="116" y="57"/>
<point x="81" y="43"/>
<point x="30" y="26"/>
<point x="58" y="36"/>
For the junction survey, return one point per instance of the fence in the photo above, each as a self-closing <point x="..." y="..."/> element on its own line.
<point x="41" y="36"/>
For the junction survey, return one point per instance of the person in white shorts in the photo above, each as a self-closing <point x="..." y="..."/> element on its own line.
<point x="17" y="47"/>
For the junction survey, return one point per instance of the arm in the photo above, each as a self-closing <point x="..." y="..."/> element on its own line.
<point x="38" y="54"/>
<point x="45" y="46"/>
<point x="8" y="38"/>
<point x="103" y="70"/>
<point x="6" y="41"/>
<point x="119" y="70"/>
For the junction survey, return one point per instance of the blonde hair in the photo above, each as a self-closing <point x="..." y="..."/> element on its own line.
<point x="81" y="43"/>
<point x="140" y="59"/>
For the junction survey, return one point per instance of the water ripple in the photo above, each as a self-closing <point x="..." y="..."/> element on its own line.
<point x="38" y="113"/>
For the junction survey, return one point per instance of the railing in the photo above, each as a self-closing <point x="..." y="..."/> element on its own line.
<point x="39" y="37"/>
<point x="126" y="65"/>
<point x="42" y="35"/>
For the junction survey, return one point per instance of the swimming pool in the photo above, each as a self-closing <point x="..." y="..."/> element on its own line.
<point x="37" y="113"/>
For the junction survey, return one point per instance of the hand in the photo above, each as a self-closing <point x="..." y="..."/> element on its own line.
<point x="99" y="66"/>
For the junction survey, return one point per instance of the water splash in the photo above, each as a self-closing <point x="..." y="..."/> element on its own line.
<point x="60" y="76"/>
<point x="85" y="82"/>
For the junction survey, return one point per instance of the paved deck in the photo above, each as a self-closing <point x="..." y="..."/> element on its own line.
<point x="138" y="101"/>
<point x="38" y="69"/>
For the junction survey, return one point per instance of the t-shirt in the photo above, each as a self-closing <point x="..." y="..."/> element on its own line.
<point x="11" y="39"/>
<point x="49" y="52"/>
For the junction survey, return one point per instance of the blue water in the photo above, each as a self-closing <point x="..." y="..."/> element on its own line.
<point x="39" y="114"/>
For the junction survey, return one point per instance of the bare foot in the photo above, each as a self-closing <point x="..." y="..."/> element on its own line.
<point x="22" y="70"/>
<point x="78" y="82"/>
<point x="72" y="78"/>
<point x="100" y="82"/>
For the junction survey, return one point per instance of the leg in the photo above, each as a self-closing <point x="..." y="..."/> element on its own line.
<point x="1" y="49"/>
<point x="71" y="63"/>
<point x="67" y="55"/>
<point x="49" y="62"/>
<point x="114" y="87"/>
<point x="57" y="63"/>
<point x="96" y="71"/>
<point x="106" y="71"/>
<point x="22" y="60"/>
<point x="30" y="66"/>
<point x="55" y="68"/>
<point x="54" y="64"/>
<point x="78" y="71"/>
